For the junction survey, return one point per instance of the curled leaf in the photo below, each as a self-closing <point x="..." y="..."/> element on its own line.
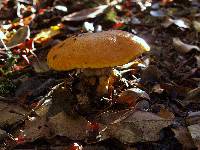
<point x="20" y="36"/>
<point x="131" y="96"/>
<point x="182" y="23"/>
<point x="89" y="13"/>
<point x="182" y="47"/>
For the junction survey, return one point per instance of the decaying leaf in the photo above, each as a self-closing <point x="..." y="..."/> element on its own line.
<point x="192" y="96"/>
<point x="11" y="114"/>
<point x="151" y="74"/>
<point x="20" y="36"/>
<point x="165" y="113"/>
<point x="183" y="136"/>
<point x="195" y="133"/>
<point x="157" y="13"/>
<point x="85" y="14"/>
<point x="196" y="25"/>
<point x="40" y="66"/>
<point x="198" y="60"/>
<point x="182" y="47"/>
<point x="36" y="127"/>
<point x="73" y="127"/>
<point x="110" y="116"/>
<point x="182" y="23"/>
<point x="3" y="134"/>
<point x="193" y="118"/>
<point x="137" y="127"/>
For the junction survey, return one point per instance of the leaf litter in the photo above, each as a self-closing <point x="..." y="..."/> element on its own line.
<point x="152" y="101"/>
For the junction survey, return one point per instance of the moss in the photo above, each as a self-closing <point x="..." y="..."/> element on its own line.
<point x="7" y="87"/>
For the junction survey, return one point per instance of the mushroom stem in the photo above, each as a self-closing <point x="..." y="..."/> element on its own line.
<point x="102" y="79"/>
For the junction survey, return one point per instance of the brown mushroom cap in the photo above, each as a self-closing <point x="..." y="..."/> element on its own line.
<point x="96" y="50"/>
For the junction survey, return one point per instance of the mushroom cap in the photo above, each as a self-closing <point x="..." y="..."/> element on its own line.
<point x="96" y="50"/>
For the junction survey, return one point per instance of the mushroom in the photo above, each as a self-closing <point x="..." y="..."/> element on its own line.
<point x="96" y="54"/>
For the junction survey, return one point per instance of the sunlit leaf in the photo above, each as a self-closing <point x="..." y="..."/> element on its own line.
<point x="47" y="34"/>
<point x="19" y="37"/>
<point x="182" y="23"/>
<point x="182" y="47"/>
<point x="85" y="14"/>
<point x="157" y="13"/>
<point x="196" y="25"/>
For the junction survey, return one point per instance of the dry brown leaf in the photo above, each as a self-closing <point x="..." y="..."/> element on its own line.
<point x="183" y="136"/>
<point x="151" y="74"/>
<point x="111" y="116"/>
<point x="137" y="127"/>
<point x="196" y="25"/>
<point x="40" y="66"/>
<point x="192" y="96"/>
<point x="182" y="47"/>
<point x="131" y="96"/>
<point x="193" y="118"/>
<point x="198" y="60"/>
<point x="36" y="127"/>
<point x="195" y="133"/>
<point x="85" y="14"/>
<point x="165" y="113"/>
<point x="11" y="114"/>
<point x="3" y="134"/>
<point x="73" y="127"/>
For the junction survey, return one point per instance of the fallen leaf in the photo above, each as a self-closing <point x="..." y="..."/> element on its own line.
<point x="89" y="13"/>
<point x="135" y="21"/>
<point x="36" y="127"/>
<point x="157" y="13"/>
<point x="109" y="117"/>
<point x="137" y="127"/>
<point x="3" y="134"/>
<point x="75" y="146"/>
<point x="198" y="60"/>
<point x="40" y="66"/>
<point x="151" y="74"/>
<point x="88" y="26"/>
<point x="196" y="25"/>
<point x="182" y="23"/>
<point x="27" y="85"/>
<point x="192" y="96"/>
<point x="73" y="127"/>
<point x="182" y="47"/>
<point x="183" y="135"/>
<point x="142" y="105"/>
<point x="61" y="8"/>
<point x="165" y="113"/>
<point x="193" y="118"/>
<point x="11" y="114"/>
<point x="132" y="96"/>
<point x="47" y="34"/>
<point x="195" y="133"/>
<point x="19" y="37"/>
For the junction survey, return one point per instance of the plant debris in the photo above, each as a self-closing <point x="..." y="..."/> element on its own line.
<point x="152" y="102"/>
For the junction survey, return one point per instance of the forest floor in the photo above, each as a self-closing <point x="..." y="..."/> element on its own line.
<point x="154" y="101"/>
